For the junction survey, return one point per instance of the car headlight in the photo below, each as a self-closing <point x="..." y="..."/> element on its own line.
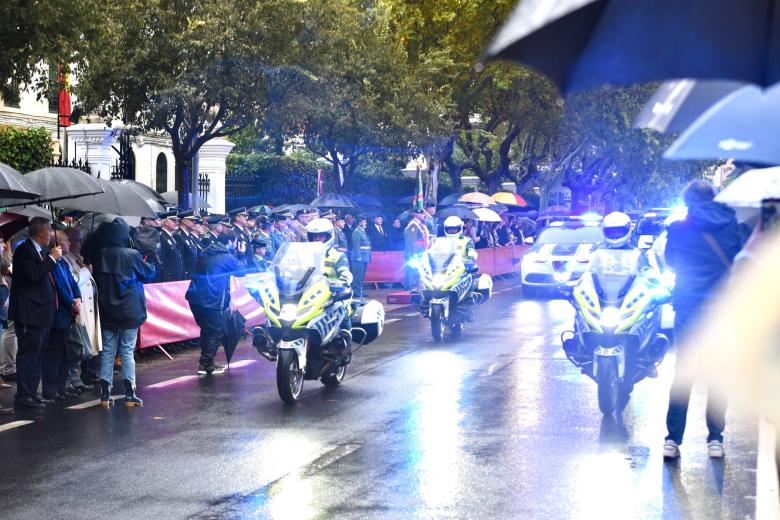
<point x="563" y="276"/>
<point x="530" y="257"/>
<point x="289" y="312"/>
<point x="438" y="280"/>
<point x="610" y="318"/>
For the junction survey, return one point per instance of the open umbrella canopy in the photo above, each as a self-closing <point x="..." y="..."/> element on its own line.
<point x="750" y="188"/>
<point x="172" y="198"/>
<point x="451" y="199"/>
<point x="56" y="183"/>
<point x="292" y="208"/>
<point x="463" y="212"/>
<point x="145" y="191"/>
<point x="367" y="201"/>
<point x="117" y="199"/>
<point x="13" y="185"/>
<point x="677" y="104"/>
<point x="743" y="126"/>
<point x="11" y="224"/>
<point x="333" y="200"/>
<point x="91" y="221"/>
<point x="262" y="209"/>
<point x="509" y="199"/>
<point x="487" y="215"/>
<point x="406" y="201"/>
<point x="476" y="197"/>
<point x="582" y="44"/>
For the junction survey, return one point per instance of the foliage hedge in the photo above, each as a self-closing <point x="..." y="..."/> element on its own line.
<point x="25" y="149"/>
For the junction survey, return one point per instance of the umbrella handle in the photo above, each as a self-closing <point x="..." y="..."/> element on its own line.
<point x="53" y="221"/>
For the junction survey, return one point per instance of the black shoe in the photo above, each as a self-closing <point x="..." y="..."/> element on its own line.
<point x="130" y="398"/>
<point x="11" y="378"/>
<point x="29" y="402"/>
<point x="83" y="388"/>
<point x="105" y="394"/>
<point x="208" y="371"/>
<point x="51" y="398"/>
<point x="73" y="392"/>
<point x="43" y="400"/>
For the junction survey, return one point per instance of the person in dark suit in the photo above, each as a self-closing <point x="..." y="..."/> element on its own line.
<point x="56" y="362"/>
<point x="377" y="234"/>
<point x="171" y="269"/>
<point x="32" y="306"/>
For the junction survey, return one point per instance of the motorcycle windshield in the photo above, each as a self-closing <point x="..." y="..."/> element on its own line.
<point x="613" y="269"/>
<point x="297" y="265"/>
<point x="441" y="253"/>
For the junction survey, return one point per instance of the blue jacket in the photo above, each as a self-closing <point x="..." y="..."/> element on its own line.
<point x="210" y="285"/>
<point x="698" y="267"/>
<point x="67" y="292"/>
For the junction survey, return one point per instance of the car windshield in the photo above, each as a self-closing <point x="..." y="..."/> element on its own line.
<point x="297" y="265"/>
<point x="441" y="251"/>
<point x="582" y="235"/>
<point x="613" y="268"/>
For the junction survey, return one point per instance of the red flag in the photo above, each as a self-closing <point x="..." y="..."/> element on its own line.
<point x="320" y="183"/>
<point x="65" y="109"/>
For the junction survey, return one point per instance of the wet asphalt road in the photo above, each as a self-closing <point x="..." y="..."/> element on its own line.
<point x="495" y="425"/>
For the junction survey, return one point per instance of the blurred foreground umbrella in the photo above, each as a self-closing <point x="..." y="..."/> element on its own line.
<point x="463" y="212"/>
<point x="11" y="224"/>
<point x="14" y="186"/>
<point x="677" y="104"/>
<point x="743" y="126"/>
<point x="746" y="192"/>
<point x="55" y="184"/>
<point x="172" y="198"/>
<point x="333" y="200"/>
<point x="582" y="44"/>
<point x="451" y="199"/>
<point x="476" y="197"/>
<point x="486" y="215"/>
<point x="117" y="199"/>
<point x="509" y="198"/>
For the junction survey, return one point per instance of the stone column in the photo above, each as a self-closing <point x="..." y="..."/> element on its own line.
<point x="93" y="142"/>
<point x="211" y="157"/>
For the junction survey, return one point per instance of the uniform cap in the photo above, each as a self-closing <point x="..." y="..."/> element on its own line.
<point x="305" y="211"/>
<point x="238" y="211"/>
<point x="172" y="214"/>
<point x="276" y="217"/>
<point x="258" y="242"/>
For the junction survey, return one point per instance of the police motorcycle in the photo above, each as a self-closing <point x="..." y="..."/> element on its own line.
<point x="617" y="339"/>
<point x="307" y="333"/>
<point x="448" y="291"/>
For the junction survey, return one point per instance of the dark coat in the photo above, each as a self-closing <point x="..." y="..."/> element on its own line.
<point x="210" y="285"/>
<point x="395" y="239"/>
<point x="699" y="269"/>
<point x="379" y="241"/>
<point x="171" y="267"/>
<point x="120" y="273"/>
<point x="32" y="300"/>
<point x="67" y="292"/>
<point x="190" y="248"/>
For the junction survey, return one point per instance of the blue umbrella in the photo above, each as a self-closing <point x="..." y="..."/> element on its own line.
<point x="743" y="126"/>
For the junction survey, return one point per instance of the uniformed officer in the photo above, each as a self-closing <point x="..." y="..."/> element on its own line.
<point x="213" y="229"/>
<point x="264" y="234"/>
<point x="171" y="269"/>
<point x="278" y="236"/>
<point x="239" y="218"/>
<point x="340" y="241"/>
<point x="189" y="241"/>
<point x="302" y="218"/>
<point x="416" y="241"/>
<point x="258" y="262"/>
<point x="453" y="228"/>
<point x="360" y="256"/>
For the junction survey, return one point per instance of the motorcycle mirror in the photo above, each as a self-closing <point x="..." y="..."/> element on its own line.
<point x="529" y="240"/>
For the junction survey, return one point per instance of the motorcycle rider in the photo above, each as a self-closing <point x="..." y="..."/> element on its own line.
<point x="617" y="231"/>
<point x="453" y="228"/>
<point x="337" y="270"/>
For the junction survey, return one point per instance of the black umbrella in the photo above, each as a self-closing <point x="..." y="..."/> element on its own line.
<point x="144" y="191"/>
<point x="172" y="198"/>
<point x="262" y="209"/>
<point x="13" y="185"/>
<point x="292" y="208"/>
<point x="582" y="44"/>
<point x="677" y="104"/>
<point x="406" y="201"/>
<point x="366" y="201"/>
<point x="451" y="199"/>
<point x="334" y="201"/>
<point x="55" y="184"/>
<point x="117" y="199"/>
<point x="463" y="212"/>
<point x="234" y="327"/>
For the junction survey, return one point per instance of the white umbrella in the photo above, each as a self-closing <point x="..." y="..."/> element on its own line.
<point x="750" y="188"/>
<point x="486" y="215"/>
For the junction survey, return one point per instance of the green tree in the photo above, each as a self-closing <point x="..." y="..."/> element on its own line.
<point x="193" y="69"/>
<point x="26" y="149"/>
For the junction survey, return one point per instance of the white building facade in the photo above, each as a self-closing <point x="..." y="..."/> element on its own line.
<point x="93" y="141"/>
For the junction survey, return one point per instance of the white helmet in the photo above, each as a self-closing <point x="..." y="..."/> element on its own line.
<point x="320" y="230"/>
<point x="617" y="229"/>
<point x="453" y="227"/>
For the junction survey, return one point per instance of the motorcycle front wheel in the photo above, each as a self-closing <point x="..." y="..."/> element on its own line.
<point x="289" y="378"/>
<point x="438" y="324"/>
<point x="335" y="379"/>
<point x="608" y="385"/>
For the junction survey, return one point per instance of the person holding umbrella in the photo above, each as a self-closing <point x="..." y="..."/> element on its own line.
<point x="209" y="297"/>
<point x="361" y="255"/>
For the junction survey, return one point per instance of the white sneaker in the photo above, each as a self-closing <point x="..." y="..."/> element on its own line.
<point x="671" y="450"/>
<point x="715" y="450"/>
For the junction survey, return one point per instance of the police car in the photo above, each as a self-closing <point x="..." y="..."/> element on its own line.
<point x="560" y="255"/>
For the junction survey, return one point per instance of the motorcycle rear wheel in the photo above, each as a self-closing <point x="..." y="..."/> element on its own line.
<point x="335" y="379"/>
<point x="438" y="324"/>
<point x="289" y="378"/>
<point x="608" y="386"/>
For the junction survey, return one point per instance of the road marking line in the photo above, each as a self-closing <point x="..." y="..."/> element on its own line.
<point x="169" y="382"/>
<point x="90" y="404"/>
<point x="766" y="475"/>
<point x="243" y="363"/>
<point x="392" y="320"/>
<point x="411" y="314"/>
<point x="14" y="424"/>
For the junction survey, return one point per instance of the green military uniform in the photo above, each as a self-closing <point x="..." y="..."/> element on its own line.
<point x="360" y="256"/>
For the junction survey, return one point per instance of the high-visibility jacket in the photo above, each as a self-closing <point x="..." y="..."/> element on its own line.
<point x="337" y="266"/>
<point x="466" y="249"/>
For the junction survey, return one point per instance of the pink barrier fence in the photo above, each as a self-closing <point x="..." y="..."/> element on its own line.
<point x="170" y="319"/>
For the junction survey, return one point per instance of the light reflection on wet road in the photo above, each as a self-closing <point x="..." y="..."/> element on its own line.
<point x="495" y="425"/>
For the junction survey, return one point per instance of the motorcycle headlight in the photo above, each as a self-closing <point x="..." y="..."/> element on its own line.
<point x="563" y="276"/>
<point x="289" y="312"/>
<point x="668" y="279"/>
<point x="610" y="318"/>
<point x="438" y="280"/>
